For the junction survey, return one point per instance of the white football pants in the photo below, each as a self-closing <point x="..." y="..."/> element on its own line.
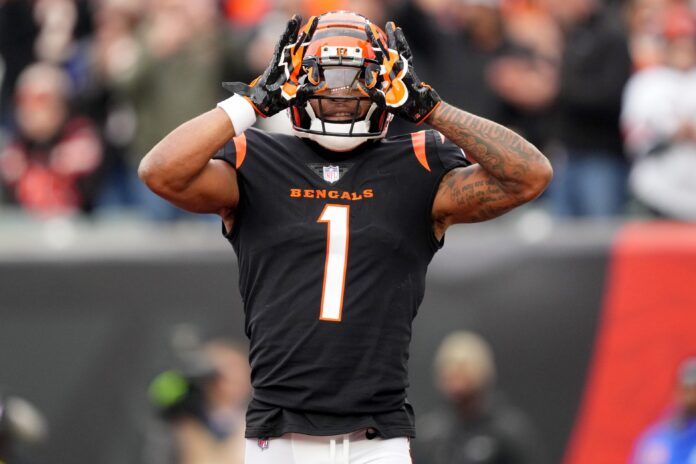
<point x="349" y="448"/>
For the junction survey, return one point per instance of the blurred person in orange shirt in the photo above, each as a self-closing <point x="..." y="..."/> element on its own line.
<point x="51" y="165"/>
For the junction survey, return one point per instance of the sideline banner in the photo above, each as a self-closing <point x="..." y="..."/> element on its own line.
<point x="647" y="327"/>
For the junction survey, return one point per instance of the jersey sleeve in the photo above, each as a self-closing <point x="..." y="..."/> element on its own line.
<point x="228" y="153"/>
<point x="234" y="152"/>
<point x="451" y="156"/>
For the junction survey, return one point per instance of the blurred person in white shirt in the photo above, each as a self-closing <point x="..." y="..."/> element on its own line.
<point x="659" y="122"/>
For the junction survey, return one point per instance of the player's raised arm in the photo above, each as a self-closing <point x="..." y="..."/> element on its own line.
<point x="180" y="169"/>
<point x="510" y="170"/>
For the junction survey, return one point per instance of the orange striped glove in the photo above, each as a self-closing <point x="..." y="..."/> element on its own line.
<point x="279" y="86"/>
<point x="395" y="86"/>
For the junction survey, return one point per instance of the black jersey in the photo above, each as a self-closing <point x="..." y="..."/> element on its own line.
<point x="333" y="250"/>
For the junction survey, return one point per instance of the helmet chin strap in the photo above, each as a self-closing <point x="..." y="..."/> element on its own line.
<point x="336" y="142"/>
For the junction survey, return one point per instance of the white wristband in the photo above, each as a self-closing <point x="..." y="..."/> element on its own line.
<point x="240" y="111"/>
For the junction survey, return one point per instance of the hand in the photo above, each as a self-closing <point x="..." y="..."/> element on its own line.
<point x="529" y="83"/>
<point x="395" y="85"/>
<point x="279" y="86"/>
<point x="685" y="133"/>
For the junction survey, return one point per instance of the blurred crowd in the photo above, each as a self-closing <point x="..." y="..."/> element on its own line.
<point x="603" y="88"/>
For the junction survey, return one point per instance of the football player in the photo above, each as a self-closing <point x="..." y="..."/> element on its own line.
<point x="335" y="225"/>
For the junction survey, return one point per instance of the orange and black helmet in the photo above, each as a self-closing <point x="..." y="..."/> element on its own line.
<point x="338" y="58"/>
<point x="343" y="32"/>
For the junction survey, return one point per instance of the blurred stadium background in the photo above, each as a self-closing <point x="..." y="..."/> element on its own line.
<point x="587" y="296"/>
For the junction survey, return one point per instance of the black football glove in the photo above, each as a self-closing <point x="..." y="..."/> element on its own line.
<point x="279" y="86"/>
<point x="395" y="85"/>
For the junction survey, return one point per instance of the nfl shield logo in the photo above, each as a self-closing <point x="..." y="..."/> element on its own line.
<point x="331" y="174"/>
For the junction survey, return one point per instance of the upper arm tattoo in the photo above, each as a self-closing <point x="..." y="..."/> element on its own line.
<point x="510" y="170"/>
<point x="470" y="195"/>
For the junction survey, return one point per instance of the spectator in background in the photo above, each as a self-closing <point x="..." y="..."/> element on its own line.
<point x="51" y="165"/>
<point x="673" y="439"/>
<point x="110" y="52"/>
<point x="17" y="34"/>
<point x="60" y="23"/>
<point x="475" y="427"/>
<point x="246" y="13"/>
<point x="460" y="60"/>
<point x="430" y="17"/>
<point x="659" y="120"/>
<point x="171" y="72"/>
<point x="527" y="80"/>
<point x="588" y="159"/>
<point x="502" y="67"/>
<point x="645" y="23"/>
<point x="22" y="427"/>
<point x="206" y="424"/>
<point x="39" y="30"/>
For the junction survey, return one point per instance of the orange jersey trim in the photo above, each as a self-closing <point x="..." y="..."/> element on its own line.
<point x="240" y="147"/>
<point x="418" y="142"/>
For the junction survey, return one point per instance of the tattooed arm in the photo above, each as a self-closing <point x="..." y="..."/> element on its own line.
<point x="510" y="170"/>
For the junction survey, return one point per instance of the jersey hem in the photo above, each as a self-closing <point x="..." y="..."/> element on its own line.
<point x="392" y="432"/>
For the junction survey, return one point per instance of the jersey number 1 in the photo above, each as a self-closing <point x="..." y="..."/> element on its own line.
<point x="337" y="217"/>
